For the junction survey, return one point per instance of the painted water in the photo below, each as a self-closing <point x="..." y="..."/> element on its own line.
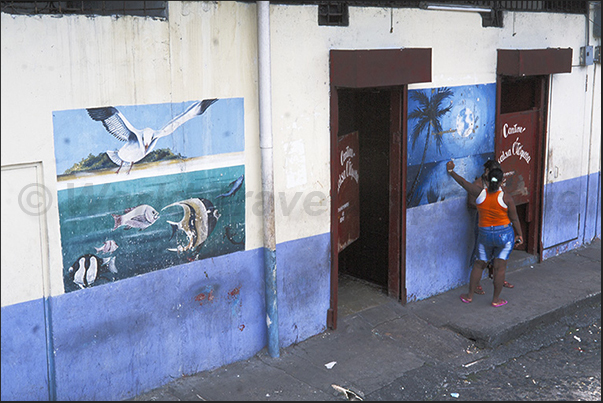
<point x="87" y="222"/>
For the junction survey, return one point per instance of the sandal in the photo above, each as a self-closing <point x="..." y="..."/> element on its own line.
<point x="479" y="290"/>
<point x="508" y="285"/>
<point x="500" y="303"/>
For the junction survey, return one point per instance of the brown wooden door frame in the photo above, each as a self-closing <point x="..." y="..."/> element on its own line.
<point x="534" y="212"/>
<point x="543" y="63"/>
<point x="334" y="121"/>
<point x="396" y="280"/>
<point x="391" y="69"/>
<point x="396" y="284"/>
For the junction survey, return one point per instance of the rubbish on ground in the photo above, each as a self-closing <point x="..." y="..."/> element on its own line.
<point x="349" y="394"/>
<point x="472" y="363"/>
<point x="331" y="364"/>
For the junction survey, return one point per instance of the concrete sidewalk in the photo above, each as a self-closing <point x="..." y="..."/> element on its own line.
<point x="372" y="348"/>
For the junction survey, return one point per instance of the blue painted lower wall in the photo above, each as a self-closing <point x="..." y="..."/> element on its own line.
<point x="118" y="340"/>
<point x="440" y="236"/>
<point x="304" y="287"/>
<point x="571" y="214"/>
<point x="24" y="362"/>
<point x="439" y="243"/>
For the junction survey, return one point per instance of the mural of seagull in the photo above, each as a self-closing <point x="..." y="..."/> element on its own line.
<point x="140" y="142"/>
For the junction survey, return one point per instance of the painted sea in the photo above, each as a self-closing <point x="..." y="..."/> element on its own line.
<point x="87" y="223"/>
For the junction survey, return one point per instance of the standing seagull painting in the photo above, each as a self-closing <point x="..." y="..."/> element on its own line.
<point x="139" y="143"/>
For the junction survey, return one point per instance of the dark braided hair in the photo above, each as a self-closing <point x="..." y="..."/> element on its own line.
<point x="491" y="164"/>
<point x="495" y="178"/>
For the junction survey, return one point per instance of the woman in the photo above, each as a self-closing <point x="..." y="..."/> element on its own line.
<point x="483" y="182"/>
<point x="496" y="212"/>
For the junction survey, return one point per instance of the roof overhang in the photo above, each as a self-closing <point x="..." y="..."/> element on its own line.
<point x="534" y="62"/>
<point x="380" y="67"/>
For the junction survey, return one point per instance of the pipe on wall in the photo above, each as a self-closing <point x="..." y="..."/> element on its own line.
<point x="265" y="107"/>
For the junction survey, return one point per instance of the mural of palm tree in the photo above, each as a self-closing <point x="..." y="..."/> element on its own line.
<point x="428" y="114"/>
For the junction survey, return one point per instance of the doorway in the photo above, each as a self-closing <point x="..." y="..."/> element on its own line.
<point x="367" y="112"/>
<point x="520" y="139"/>
<point x="522" y="105"/>
<point x="367" y="88"/>
<point x="373" y="255"/>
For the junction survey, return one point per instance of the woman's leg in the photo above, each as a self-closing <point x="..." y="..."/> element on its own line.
<point x="474" y="278"/>
<point x="478" y="288"/>
<point x="500" y="268"/>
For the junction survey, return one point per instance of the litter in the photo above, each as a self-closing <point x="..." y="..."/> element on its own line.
<point x="330" y="364"/>
<point x="348" y="393"/>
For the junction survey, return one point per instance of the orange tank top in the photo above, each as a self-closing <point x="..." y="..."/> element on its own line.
<point x="492" y="209"/>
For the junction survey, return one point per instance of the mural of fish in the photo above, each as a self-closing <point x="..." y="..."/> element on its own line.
<point x="108" y="247"/>
<point x="198" y="221"/>
<point x="88" y="268"/>
<point x="236" y="185"/>
<point x="230" y="234"/>
<point x="136" y="217"/>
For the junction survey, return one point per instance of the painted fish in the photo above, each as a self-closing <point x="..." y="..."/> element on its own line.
<point x="236" y="185"/>
<point x="136" y="217"/>
<point x="198" y="221"/>
<point x="230" y="234"/>
<point x="88" y="268"/>
<point x="108" y="247"/>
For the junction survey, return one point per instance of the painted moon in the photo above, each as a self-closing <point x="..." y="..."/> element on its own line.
<point x="465" y="122"/>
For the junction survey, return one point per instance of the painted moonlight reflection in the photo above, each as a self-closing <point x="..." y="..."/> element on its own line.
<point x="465" y="122"/>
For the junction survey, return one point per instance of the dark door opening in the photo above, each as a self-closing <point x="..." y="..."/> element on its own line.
<point x="368" y="112"/>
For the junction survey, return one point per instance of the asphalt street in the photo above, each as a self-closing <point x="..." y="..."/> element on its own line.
<point x="560" y="361"/>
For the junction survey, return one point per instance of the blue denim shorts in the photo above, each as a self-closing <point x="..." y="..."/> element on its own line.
<point x="495" y="242"/>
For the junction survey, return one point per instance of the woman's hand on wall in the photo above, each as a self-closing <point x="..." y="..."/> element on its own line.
<point x="450" y="166"/>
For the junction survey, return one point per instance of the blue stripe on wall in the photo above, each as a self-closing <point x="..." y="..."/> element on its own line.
<point x="592" y="226"/>
<point x="439" y="243"/>
<point x="24" y="363"/>
<point x="572" y="214"/>
<point x="563" y="207"/>
<point x="121" y="339"/>
<point x="304" y="281"/>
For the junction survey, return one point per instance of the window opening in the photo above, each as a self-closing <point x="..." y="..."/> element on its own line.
<point x="333" y="13"/>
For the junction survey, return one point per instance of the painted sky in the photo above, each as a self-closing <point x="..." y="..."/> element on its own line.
<point x="468" y="129"/>
<point x="467" y="138"/>
<point x="219" y="130"/>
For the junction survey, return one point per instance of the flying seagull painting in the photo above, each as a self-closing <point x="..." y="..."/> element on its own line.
<point x="139" y="142"/>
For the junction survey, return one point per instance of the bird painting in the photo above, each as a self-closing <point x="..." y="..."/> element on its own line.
<point x="140" y="142"/>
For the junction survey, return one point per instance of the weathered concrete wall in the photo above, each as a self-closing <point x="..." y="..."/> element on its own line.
<point x="156" y="326"/>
